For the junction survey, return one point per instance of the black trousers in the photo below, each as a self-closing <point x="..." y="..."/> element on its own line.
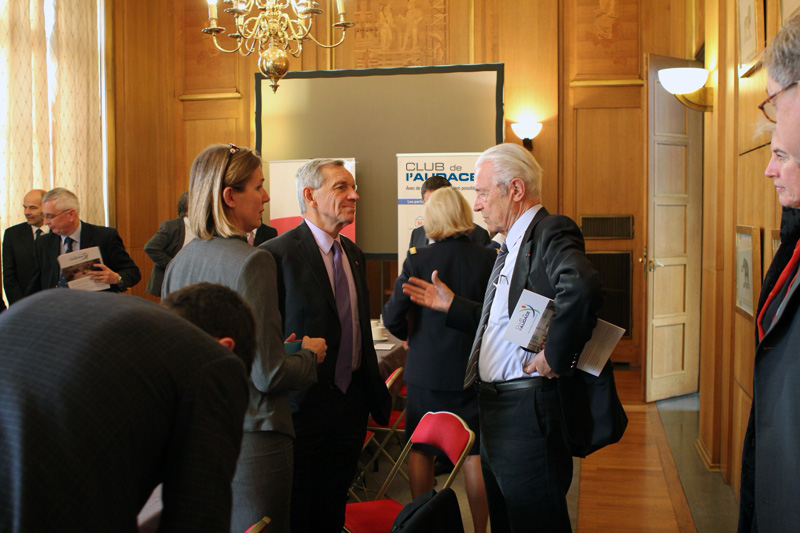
<point x="527" y="467"/>
<point x="330" y="428"/>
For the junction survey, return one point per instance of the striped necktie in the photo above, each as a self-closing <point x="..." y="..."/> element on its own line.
<point x="472" y="365"/>
<point x="62" y="281"/>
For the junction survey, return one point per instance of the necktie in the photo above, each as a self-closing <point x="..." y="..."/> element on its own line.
<point x="344" y="360"/>
<point x="472" y="365"/>
<point x="62" y="281"/>
<point x="251" y="237"/>
<point x="38" y="233"/>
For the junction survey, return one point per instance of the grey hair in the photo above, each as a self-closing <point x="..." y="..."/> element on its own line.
<point x="63" y="199"/>
<point x="511" y="161"/>
<point x="782" y="57"/>
<point x="310" y="175"/>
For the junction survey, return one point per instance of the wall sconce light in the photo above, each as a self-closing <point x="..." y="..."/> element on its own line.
<point x="527" y="131"/>
<point x="688" y="86"/>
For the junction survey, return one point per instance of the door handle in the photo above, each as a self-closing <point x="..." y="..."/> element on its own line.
<point x="655" y="263"/>
<point x="643" y="260"/>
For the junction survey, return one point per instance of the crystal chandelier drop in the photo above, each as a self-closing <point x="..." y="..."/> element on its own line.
<point x="271" y="29"/>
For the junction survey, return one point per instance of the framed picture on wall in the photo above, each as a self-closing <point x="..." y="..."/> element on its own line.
<point x="750" y="14"/>
<point x="748" y="269"/>
<point x="788" y="9"/>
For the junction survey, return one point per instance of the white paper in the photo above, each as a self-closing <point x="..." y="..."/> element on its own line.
<point x="384" y="346"/>
<point x="597" y="351"/>
<point x="76" y="267"/>
<point x="529" y="321"/>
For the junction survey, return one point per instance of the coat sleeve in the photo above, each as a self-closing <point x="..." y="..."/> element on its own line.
<point x="156" y="247"/>
<point x="118" y="260"/>
<point x="578" y="292"/>
<point x="13" y="291"/>
<point x="272" y="370"/>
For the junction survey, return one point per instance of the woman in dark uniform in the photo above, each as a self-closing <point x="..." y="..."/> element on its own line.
<point x="437" y="354"/>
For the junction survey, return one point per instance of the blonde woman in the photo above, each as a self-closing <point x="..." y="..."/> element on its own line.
<point x="226" y="200"/>
<point x="437" y="354"/>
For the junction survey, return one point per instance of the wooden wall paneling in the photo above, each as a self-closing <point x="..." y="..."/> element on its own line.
<point x="531" y="87"/>
<point x="607" y="39"/>
<point x="144" y="85"/>
<point x="740" y="415"/>
<point x="753" y="127"/>
<point x="664" y="28"/>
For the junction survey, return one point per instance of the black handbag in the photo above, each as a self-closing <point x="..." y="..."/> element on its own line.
<point x="431" y="511"/>
<point x="593" y="413"/>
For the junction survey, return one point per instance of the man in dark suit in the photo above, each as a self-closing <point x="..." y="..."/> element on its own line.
<point x="60" y="209"/>
<point x="165" y="245"/>
<point x="478" y="235"/>
<point x="322" y="292"/>
<point x="19" y="255"/>
<point x="119" y="396"/>
<point x="263" y="234"/>
<point x="527" y="431"/>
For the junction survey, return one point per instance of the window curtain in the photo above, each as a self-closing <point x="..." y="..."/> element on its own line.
<point x="50" y="104"/>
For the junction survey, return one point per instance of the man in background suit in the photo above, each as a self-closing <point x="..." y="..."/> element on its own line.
<point x="119" y="396"/>
<point x="60" y="209"/>
<point x="525" y="399"/>
<point x="478" y="235"/>
<point x="322" y="292"/>
<point x="165" y="244"/>
<point x="19" y="251"/>
<point x="263" y="234"/>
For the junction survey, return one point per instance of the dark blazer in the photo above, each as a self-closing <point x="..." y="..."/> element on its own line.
<point x="19" y="260"/>
<point x="552" y="262"/>
<point x="161" y="248"/>
<point x="119" y="396"/>
<point x="771" y="455"/>
<point x="478" y="235"/>
<point x="48" y="248"/>
<point x="308" y="308"/>
<point x="437" y="354"/>
<point x="264" y="233"/>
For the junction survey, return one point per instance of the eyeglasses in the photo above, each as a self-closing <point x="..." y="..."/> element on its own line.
<point x="50" y="216"/>
<point x="768" y="107"/>
<point x="232" y="150"/>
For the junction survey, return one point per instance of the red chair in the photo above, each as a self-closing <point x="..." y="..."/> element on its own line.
<point x="443" y="430"/>
<point x="395" y="429"/>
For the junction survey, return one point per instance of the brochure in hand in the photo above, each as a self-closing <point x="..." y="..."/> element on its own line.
<point x="528" y="325"/>
<point x="76" y="267"/>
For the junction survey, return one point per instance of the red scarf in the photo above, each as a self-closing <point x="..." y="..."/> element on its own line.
<point x="777" y="288"/>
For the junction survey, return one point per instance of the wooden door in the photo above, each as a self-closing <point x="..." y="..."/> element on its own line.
<point x="672" y="261"/>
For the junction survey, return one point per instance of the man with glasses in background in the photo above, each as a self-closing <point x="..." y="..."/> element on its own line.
<point x="61" y="210"/>
<point x="771" y="456"/>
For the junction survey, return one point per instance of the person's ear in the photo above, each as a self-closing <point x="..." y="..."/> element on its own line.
<point x="227" y="342"/>
<point x="227" y="197"/>
<point x="308" y="195"/>
<point x="517" y="188"/>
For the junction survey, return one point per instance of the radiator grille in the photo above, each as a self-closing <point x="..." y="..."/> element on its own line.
<point x="607" y="227"/>
<point x="615" y="269"/>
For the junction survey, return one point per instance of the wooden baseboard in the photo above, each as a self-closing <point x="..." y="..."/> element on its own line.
<point x="705" y="456"/>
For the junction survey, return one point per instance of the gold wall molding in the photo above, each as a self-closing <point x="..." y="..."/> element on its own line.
<point x="607" y="83"/>
<point x="210" y="96"/>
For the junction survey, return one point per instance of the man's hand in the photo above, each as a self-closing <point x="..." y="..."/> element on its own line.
<point x="102" y="274"/>
<point x="541" y="366"/>
<point x="316" y="345"/>
<point x="436" y="295"/>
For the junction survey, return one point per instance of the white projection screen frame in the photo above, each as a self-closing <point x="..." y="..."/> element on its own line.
<point x="373" y="115"/>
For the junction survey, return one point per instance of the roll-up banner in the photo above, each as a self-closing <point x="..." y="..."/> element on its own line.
<point x="412" y="171"/>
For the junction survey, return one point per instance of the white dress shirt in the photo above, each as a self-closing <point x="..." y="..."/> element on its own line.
<point x="499" y="359"/>
<point x="325" y="243"/>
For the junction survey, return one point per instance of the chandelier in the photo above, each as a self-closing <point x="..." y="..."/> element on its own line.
<point x="262" y="25"/>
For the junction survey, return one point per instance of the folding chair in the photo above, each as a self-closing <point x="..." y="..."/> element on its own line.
<point x="363" y="469"/>
<point x="395" y="429"/>
<point x="443" y="430"/>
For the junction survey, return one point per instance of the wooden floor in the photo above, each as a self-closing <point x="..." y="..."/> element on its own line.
<point x="633" y="485"/>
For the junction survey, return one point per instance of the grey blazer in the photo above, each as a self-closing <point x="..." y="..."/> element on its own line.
<point x="251" y="272"/>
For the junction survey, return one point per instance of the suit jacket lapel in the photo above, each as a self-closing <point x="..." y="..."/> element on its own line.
<point x="779" y="313"/>
<point x="523" y="265"/>
<point x="310" y="251"/>
<point x="87" y="237"/>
